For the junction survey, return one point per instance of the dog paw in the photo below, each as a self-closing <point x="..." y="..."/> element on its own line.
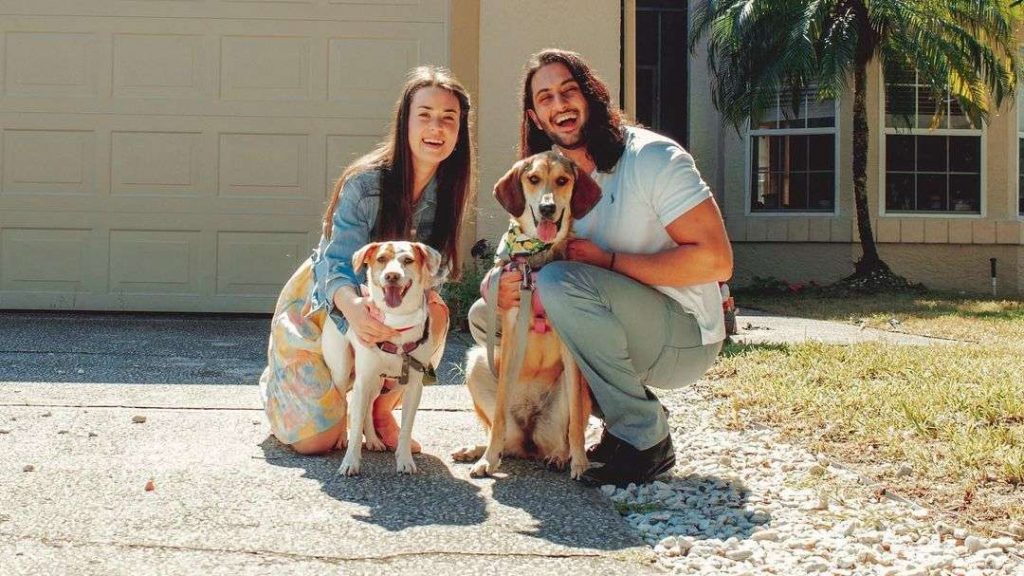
<point x="406" y="465"/>
<point x="483" y="468"/>
<point x="468" y="454"/>
<point x="375" y="444"/>
<point x="348" y="468"/>
<point x="577" y="467"/>
<point x="342" y="442"/>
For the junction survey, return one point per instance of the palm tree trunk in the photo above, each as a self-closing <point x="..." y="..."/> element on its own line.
<point x="869" y="261"/>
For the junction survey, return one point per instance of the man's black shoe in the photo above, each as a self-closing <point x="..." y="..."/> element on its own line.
<point x="604" y="448"/>
<point x="626" y="464"/>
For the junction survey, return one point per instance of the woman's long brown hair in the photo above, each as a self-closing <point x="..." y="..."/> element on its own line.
<point x="603" y="132"/>
<point x="393" y="158"/>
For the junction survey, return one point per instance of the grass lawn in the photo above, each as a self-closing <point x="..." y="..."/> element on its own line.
<point x="942" y="425"/>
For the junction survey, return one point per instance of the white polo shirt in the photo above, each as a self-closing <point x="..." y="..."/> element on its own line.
<point x="654" y="182"/>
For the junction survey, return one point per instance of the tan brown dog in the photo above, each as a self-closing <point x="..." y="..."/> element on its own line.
<point x="543" y="413"/>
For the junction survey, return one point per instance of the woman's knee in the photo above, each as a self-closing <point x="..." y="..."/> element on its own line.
<point x="321" y="443"/>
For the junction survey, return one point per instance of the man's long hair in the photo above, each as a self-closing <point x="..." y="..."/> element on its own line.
<point x="603" y="133"/>
<point x="393" y="158"/>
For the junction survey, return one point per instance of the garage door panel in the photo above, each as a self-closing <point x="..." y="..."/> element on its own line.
<point x="257" y="263"/>
<point x="342" y="150"/>
<point x="51" y="64"/>
<point x="49" y="162"/>
<point x="264" y="166"/>
<point x="44" y="259"/>
<point x="158" y="66"/>
<point x="266" y="68"/>
<point x="156" y="163"/>
<point x="155" y="262"/>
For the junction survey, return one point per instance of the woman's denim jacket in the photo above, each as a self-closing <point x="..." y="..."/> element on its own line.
<point x="351" y="226"/>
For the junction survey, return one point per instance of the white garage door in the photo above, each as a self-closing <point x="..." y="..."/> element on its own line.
<point x="176" y="154"/>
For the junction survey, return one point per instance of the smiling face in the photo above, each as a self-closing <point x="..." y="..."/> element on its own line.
<point x="399" y="273"/>
<point x="559" y="107"/>
<point x="433" y="125"/>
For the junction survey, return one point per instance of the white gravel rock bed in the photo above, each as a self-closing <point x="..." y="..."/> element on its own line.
<point x="741" y="502"/>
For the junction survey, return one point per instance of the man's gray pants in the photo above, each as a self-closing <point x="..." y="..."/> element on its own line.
<point x="625" y="337"/>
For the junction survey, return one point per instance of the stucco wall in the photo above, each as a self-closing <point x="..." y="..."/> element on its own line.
<point x="509" y="33"/>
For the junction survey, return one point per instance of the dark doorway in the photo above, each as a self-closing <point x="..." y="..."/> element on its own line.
<point x="661" y="97"/>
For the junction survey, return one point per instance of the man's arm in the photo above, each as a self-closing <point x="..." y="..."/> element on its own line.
<point x="703" y="253"/>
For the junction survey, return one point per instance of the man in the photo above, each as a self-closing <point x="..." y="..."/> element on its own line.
<point x="638" y="303"/>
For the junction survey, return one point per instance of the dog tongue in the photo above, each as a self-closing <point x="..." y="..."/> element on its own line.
<point x="547" y="231"/>
<point x="393" y="296"/>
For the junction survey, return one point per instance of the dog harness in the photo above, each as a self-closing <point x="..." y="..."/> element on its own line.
<point x="519" y="247"/>
<point x="405" y="351"/>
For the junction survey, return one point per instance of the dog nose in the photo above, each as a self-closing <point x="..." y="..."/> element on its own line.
<point x="392" y="277"/>
<point x="547" y="209"/>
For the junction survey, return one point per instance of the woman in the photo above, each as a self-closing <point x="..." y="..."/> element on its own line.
<point x="414" y="186"/>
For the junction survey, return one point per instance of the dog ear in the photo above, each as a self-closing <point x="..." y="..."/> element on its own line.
<point x="585" y="194"/>
<point x="509" y="190"/>
<point x="430" y="258"/>
<point x="364" y="255"/>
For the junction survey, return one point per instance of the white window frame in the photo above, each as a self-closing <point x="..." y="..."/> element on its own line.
<point x="748" y="166"/>
<point x="915" y="131"/>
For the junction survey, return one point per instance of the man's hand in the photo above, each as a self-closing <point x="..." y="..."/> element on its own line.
<point x="508" y="289"/>
<point x="589" y="253"/>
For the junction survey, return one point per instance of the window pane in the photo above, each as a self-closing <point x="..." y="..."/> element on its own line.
<point x="792" y="117"/>
<point x="797" y="152"/>
<point x="795" y="194"/>
<point x="931" y="192"/>
<point x="899" y="153"/>
<point x="822" y="148"/>
<point x="927" y="106"/>
<point x="899" y="191"/>
<point x="964" y="154"/>
<point x="821" y="191"/>
<point x="820" y="114"/>
<point x="647" y="44"/>
<point x="900" y="105"/>
<point x="965" y="193"/>
<point x="931" y="153"/>
<point x="646" y="92"/>
<point x="771" y="198"/>
<point x="957" y="117"/>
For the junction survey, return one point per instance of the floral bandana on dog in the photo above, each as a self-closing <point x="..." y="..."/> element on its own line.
<point x="515" y="243"/>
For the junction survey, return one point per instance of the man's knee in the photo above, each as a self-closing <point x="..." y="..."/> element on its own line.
<point x="477" y="318"/>
<point x="559" y="279"/>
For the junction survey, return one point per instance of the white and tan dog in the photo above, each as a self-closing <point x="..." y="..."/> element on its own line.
<point x="542" y="413"/>
<point x="399" y="276"/>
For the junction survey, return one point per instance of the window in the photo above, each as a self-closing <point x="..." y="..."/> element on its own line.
<point x="793" y="157"/>
<point x="929" y="169"/>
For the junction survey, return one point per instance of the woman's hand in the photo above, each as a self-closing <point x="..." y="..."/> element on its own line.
<point x="362" y="316"/>
<point x="589" y="253"/>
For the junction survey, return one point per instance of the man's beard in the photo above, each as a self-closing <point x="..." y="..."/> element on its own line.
<point x="559" y="140"/>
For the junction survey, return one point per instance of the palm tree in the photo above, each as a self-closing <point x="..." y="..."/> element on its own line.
<point x="758" y="49"/>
